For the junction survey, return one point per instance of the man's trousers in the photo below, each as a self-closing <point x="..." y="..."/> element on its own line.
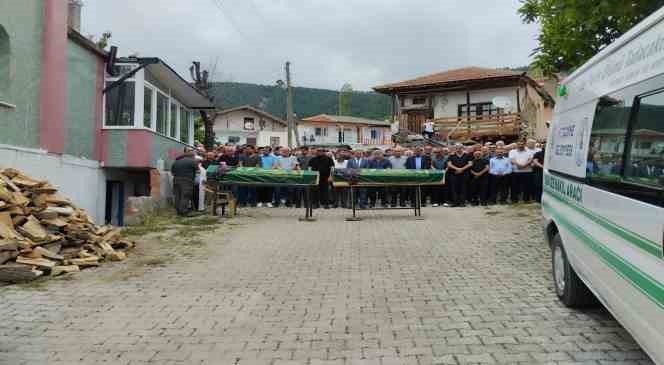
<point x="183" y="191"/>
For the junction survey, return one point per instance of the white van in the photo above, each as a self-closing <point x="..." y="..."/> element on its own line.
<point x="603" y="201"/>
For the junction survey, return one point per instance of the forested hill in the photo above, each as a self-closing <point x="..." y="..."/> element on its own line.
<point x="307" y="101"/>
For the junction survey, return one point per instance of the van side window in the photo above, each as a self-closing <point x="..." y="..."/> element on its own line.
<point x="645" y="155"/>
<point x="607" y="139"/>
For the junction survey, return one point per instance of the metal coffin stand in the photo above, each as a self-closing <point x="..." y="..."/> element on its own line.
<point x="309" y="211"/>
<point x="417" y="207"/>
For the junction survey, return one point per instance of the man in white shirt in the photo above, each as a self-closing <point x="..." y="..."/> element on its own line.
<point x="428" y="129"/>
<point x="522" y="173"/>
<point x="398" y="194"/>
<point x="285" y="162"/>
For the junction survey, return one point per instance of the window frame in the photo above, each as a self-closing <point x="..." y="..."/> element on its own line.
<point x="641" y="192"/>
<point x="140" y="84"/>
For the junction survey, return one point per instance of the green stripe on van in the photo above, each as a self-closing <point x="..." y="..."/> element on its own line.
<point x="649" y="286"/>
<point x="629" y="236"/>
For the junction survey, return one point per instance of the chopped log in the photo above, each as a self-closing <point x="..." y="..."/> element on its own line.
<point x="46" y="215"/>
<point x="8" y="246"/>
<point x="7" y="231"/>
<point x="60" y="210"/>
<point x="112" y="235"/>
<point x="117" y="256"/>
<point x="57" y="199"/>
<point x="6" y="219"/>
<point x="102" y="230"/>
<point x="42" y="263"/>
<point x="7" y="255"/>
<point x="16" y="273"/>
<point x="98" y="251"/>
<point x="106" y="248"/>
<point x="33" y="229"/>
<point x="53" y="247"/>
<point x="24" y="181"/>
<point x="85" y="262"/>
<point x="18" y="220"/>
<point x="58" y="270"/>
<point x="10" y="172"/>
<point x="6" y="195"/>
<point x="4" y="177"/>
<point x="45" y="189"/>
<point x="47" y="254"/>
<point x="122" y="245"/>
<point x="55" y="222"/>
<point x="20" y="199"/>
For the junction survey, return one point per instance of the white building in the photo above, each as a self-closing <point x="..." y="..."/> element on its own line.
<point x="248" y="125"/>
<point x="461" y="103"/>
<point x="331" y="129"/>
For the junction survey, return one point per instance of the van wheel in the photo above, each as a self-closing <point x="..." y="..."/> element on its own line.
<point x="569" y="287"/>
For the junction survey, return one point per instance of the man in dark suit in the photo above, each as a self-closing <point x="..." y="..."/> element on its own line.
<point x="418" y="161"/>
<point x="358" y="161"/>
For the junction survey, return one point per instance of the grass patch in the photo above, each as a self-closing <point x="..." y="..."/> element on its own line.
<point x="199" y="221"/>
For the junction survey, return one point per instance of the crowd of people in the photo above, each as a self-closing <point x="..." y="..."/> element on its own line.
<point x="480" y="174"/>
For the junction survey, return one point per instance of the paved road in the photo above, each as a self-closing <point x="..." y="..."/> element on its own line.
<point x="464" y="286"/>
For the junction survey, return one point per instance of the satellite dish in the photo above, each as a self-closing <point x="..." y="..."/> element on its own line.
<point x="502" y="102"/>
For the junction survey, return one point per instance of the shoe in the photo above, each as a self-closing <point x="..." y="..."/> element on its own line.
<point x="326" y="207"/>
<point x="283" y="201"/>
<point x="461" y="205"/>
<point x="259" y="205"/>
<point x="435" y="205"/>
<point x="447" y="205"/>
<point x="269" y="205"/>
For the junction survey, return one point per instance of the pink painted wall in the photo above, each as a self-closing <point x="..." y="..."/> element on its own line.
<point x="139" y="148"/>
<point x="52" y="102"/>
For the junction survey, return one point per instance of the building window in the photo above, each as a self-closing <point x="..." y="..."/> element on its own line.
<point x="162" y="113"/>
<point x="318" y="132"/>
<point x="119" y="108"/>
<point x="274" y="141"/>
<point x="5" y="51"/>
<point x="173" y="127"/>
<point x="478" y="109"/>
<point x="249" y="124"/>
<point x="233" y="139"/>
<point x="419" y="101"/>
<point x="184" y="125"/>
<point x="147" y="107"/>
<point x="374" y="134"/>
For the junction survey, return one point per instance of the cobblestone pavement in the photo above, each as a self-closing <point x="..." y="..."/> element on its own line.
<point x="463" y="286"/>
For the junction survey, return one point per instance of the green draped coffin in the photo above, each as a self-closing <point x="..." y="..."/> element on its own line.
<point x="258" y="176"/>
<point x="388" y="177"/>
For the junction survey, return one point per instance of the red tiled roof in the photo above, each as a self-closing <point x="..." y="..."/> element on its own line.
<point x="450" y="76"/>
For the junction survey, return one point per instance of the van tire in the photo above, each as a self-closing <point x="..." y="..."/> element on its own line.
<point x="570" y="289"/>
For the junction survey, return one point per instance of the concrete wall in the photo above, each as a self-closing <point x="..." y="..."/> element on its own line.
<point x="22" y="21"/>
<point x="80" y="117"/>
<point x="80" y="180"/>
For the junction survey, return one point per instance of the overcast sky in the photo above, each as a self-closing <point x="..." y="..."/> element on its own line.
<point x="363" y="42"/>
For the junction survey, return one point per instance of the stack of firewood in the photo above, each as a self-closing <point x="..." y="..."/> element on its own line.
<point x="42" y="232"/>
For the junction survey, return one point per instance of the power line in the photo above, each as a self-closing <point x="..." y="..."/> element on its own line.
<point x="220" y="5"/>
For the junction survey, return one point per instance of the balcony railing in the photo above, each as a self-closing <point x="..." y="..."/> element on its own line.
<point x="494" y="125"/>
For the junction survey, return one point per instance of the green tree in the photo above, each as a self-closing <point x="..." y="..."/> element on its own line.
<point x="345" y="98"/>
<point x="199" y="130"/>
<point x="572" y="31"/>
<point x="103" y="41"/>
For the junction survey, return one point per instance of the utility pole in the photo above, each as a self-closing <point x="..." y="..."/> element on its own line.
<point x="289" y="109"/>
